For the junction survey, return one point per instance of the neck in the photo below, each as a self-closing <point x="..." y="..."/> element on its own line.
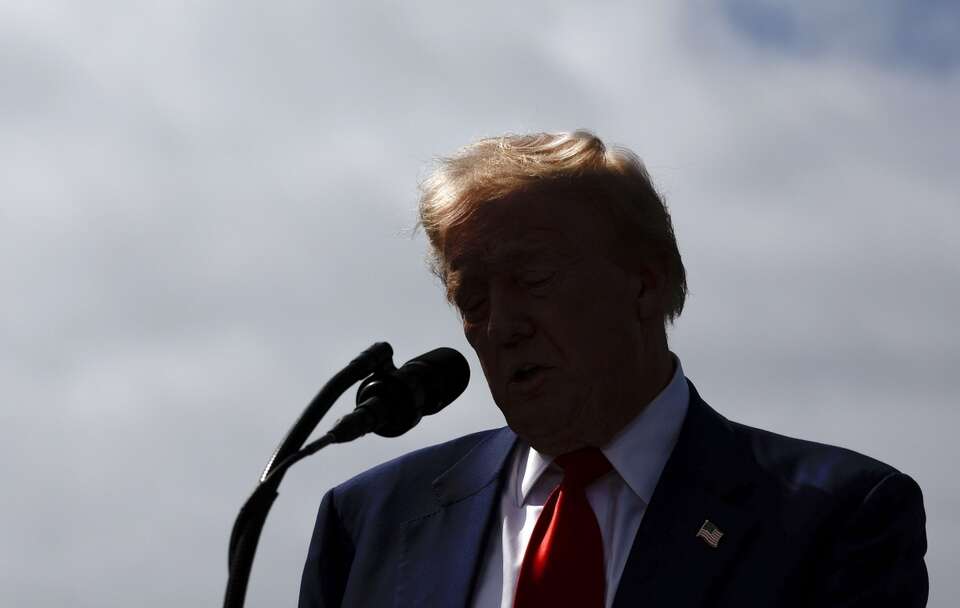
<point x="661" y="368"/>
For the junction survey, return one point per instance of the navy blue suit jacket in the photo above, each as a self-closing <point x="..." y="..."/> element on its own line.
<point x="804" y="524"/>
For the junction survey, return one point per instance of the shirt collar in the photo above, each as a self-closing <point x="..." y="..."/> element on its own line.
<point x="639" y="451"/>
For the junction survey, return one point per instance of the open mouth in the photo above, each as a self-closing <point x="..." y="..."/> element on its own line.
<point x="527" y="374"/>
<point x="524" y="372"/>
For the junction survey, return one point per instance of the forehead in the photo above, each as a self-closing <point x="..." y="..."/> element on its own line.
<point x="513" y="229"/>
<point x="533" y="244"/>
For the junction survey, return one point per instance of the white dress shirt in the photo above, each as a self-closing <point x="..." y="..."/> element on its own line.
<point x="619" y="498"/>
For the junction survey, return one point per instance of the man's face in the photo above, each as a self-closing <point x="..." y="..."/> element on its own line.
<point x="535" y="283"/>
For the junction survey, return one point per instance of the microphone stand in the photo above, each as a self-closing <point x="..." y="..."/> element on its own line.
<point x="253" y="514"/>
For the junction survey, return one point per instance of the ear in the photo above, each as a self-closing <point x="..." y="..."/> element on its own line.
<point x="649" y="283"/>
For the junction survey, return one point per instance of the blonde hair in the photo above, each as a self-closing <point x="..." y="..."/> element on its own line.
<point x="575" y="163"/>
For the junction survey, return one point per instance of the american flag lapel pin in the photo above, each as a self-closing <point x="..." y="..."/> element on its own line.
<point x="709" y="533"/>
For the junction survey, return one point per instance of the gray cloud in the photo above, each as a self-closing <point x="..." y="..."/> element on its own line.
<point x="203" y="218"/>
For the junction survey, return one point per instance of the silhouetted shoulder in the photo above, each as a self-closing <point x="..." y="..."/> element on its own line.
<point x="402" y="487"/>
<point x="802" y="465"/>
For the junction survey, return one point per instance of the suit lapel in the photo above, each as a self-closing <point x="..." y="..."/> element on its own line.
<point x="442" y="549"/>
<point x="706" y="473"/>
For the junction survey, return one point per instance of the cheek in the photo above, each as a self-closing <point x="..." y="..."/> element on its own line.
<point x="580" y="318"/>
<point x="594" y="329"/>
<point x="474" y="334"/>
<point x="479" y="347"/>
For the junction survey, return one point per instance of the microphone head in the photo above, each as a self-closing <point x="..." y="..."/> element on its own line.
<point x="442" y="374"/>
<point x="398" y="399"/>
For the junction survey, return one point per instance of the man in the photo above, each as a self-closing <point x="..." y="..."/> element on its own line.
<point x="615" y="484"/>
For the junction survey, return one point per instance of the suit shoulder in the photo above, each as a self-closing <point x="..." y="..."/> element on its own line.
<point x="406" y="481"/>
<point x="428" y="461"/>
<point x="803" y="464"/>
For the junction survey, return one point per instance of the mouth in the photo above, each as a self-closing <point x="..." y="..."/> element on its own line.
<point x="528" y="377"/>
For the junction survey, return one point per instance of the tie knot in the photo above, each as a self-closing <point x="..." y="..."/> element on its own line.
<point x="582" y="467"/>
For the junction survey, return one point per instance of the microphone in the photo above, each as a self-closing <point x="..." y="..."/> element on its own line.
<point x="391" y="402"/>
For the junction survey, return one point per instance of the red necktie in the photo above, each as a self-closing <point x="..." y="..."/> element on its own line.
<point x="563" y="564"/>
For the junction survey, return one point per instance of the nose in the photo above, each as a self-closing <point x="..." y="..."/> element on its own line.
<point x="508" y="321"/>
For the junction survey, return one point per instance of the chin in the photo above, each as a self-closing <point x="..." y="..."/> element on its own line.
<point x="564" y="433"/>
<point x="556" y="447"/>
<point x="553" y="444"/>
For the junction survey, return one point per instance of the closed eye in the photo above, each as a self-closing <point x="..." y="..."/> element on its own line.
<point x="536" y="280"/>
<point x="472" y="306"/>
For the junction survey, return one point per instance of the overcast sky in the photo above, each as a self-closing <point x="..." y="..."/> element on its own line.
<point x="205" y="212"/>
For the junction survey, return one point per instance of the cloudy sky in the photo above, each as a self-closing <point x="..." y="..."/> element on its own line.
<point x="205" y="212"/>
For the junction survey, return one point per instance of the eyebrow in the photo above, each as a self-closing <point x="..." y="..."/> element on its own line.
<point x="505" y="253"/>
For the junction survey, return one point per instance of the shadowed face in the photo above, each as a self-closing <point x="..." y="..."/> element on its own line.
<point x="562" y="332"/>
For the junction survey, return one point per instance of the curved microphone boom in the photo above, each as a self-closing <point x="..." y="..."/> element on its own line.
<point x="390" y="402"/>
